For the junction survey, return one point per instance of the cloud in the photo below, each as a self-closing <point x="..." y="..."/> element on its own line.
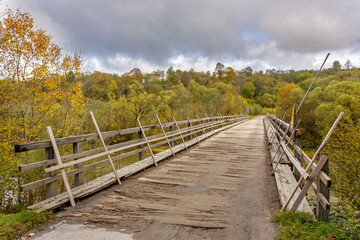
<point x="120" y="35"/>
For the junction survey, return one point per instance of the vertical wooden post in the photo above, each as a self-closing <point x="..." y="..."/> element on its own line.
<point x="189" y="126"/>
<point x="79" y="177"/>
<point x="321" y="212"/>
<point x="297" y="142"/>
<point x="171" y="129"/>
<point x="51" y="188"/>
<point x="141" y="154"/>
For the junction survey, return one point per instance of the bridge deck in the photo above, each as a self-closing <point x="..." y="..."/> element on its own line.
<point x="221" y="188"/>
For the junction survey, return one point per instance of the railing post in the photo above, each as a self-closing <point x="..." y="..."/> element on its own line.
<point x="141" y="154"/>
<point x="297" y="142"/>
<point x="321" y="212"/>
<point x="79" y="177"/>
<point x="171" y="129"/>
<point x="189" y="126"/>
<point x="51" y="188"/>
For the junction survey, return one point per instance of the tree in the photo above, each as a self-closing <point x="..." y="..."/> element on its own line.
<point x="336" y="66"/>
<point x="287" y="96"/>
<point x="247" y="71"/>
<point x="140" y="103"/>
<point x="267" y="100"/>
<point x="38" y="86"/>
<point x="219" y="70"/>
<point x="248" y="91"/>
<point x="348" y="64"/>
<point x="27" y="56"/>
<point x="230" y="75"/>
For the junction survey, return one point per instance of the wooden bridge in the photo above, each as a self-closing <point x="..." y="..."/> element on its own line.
<point x="221" y="187"/>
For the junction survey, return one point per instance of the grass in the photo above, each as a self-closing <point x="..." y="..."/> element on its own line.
<point x="13" y="225"/>
<point x="251" y="117"/>
<point x="303" y="226"/>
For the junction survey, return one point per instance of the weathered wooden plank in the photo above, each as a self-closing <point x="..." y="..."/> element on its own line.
<point x="323" y="176"/>
<point x="67" y="158"/>
<point x="109" y="179"/>
<point x="88" y="167"/>
<point x="284" y="177"/>
<point x="294" y="161"/>
<point x="88" y="137"/>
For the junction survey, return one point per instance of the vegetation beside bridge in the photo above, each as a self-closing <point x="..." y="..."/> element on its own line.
<point x="43" y="85"/>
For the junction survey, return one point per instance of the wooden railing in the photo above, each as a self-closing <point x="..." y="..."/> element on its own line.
<point x="180" y="136"/>
<point x="317" y="177"/>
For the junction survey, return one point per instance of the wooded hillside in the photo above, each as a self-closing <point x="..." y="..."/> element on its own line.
<point x="41" y="85"/>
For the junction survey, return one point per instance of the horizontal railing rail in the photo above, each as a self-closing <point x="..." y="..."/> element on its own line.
<point x="80" y="162"/>
<point x="290" y="146"/>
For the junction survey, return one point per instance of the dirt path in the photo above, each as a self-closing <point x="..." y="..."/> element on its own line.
<point x="221" y="188"/>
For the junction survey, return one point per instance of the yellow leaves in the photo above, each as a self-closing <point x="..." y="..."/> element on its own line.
<point x="41" y="77"/>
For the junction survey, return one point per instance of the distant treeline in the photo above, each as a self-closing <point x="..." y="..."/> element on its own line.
<point x="43" y="86"/>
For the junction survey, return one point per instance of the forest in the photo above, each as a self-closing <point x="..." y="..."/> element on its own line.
<point x="43" y="85"/>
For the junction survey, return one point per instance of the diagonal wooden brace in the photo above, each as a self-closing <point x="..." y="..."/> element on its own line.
<point x="201" y="125"/>
<point x="192" y="129"/>
<point x="182" y="138"/>
<point x="167" y="139"/>
<point x="210" y="123"/>
<point x="309" y="182"/>
<point x="63" y="174"/>
<point x="105" y="147"/>
<point x="147" y="142"/>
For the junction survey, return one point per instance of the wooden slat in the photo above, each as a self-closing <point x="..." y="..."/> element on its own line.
<point x="107" y="180"/>
<point x="90" y="166"/>
<point x="323" y="176"/>
<point x="63" y="174"/>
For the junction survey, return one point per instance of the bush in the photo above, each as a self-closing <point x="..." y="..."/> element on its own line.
<point x="303" y="226"/>
<point x="344" y="154"/>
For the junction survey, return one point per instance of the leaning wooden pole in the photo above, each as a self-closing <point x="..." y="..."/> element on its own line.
<point x="283" y="137"/>
<point x="147" y="142"/>
<point x="278" y="162"/>
<point x="210" y="123"/>
<point x="105" y="147"/>
<point x="276" y="127"/>
<point x="167" y="139"/>
<point x="182" y="138"/>
<point x="302" y="101"/>
<point x="63" y="173"/>
<point x="314" y="157"/>
<point x="201" y="126"/>
<point x="192" y="129"/>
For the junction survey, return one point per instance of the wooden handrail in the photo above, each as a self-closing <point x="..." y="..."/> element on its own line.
<point x="76" y="158"/>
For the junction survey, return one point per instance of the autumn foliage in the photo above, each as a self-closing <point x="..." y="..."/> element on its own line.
<point x="41" y="85"/>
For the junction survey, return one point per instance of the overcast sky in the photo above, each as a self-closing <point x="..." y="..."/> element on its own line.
<point x="117" y="35"/>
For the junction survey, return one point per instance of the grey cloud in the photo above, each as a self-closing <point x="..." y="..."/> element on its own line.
<point x="157" y="30"/>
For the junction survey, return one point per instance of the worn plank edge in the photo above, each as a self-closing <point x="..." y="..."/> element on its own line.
<point x="109" y="179"/>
